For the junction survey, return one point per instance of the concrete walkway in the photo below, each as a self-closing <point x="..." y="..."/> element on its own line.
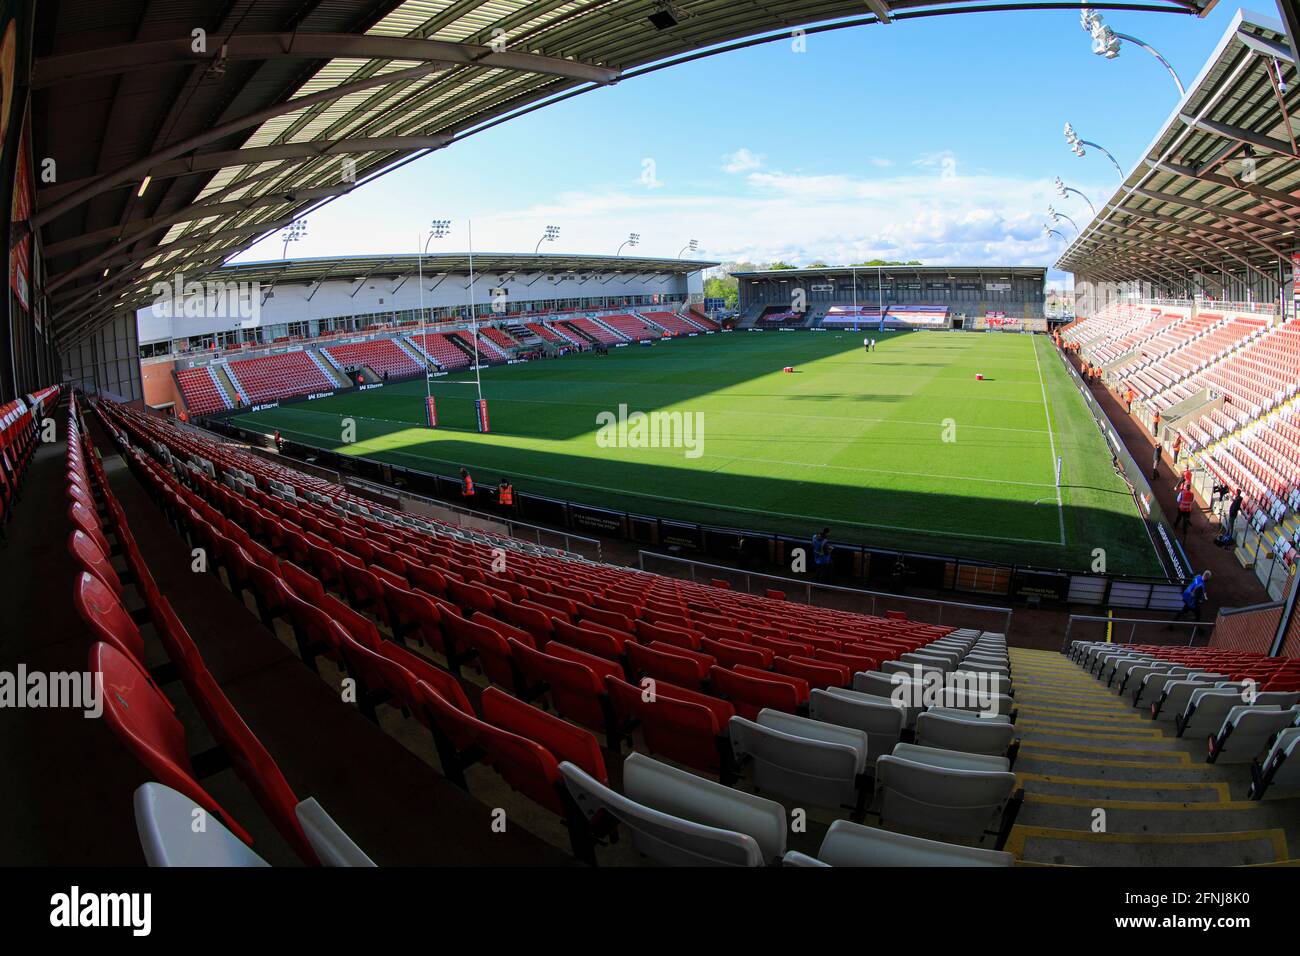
<point x="1085" y="749"/>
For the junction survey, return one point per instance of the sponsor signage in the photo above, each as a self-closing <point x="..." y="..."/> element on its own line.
<point x="1041" y="584"/>
<point x="679" y="534"/>
<point x="598" y="520"/>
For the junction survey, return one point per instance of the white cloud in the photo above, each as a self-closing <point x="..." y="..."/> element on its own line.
<point x="741" y="161"/>
<point x="908" y="212"/>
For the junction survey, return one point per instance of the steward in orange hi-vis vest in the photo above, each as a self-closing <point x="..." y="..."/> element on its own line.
<point x="466" y="484"/>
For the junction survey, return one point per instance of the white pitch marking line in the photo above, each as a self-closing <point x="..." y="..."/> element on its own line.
<point x="1060" y="506"/>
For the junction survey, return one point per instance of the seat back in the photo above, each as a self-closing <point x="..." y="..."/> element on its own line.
<point x="822" y="770"/>
<point x="561" y="738"/>
<point x="88" y="554"/>
<point x="851" y="844"/>
<point x="975" y="736"/>
<point x="575" y="688"/>
<point x="253" y="763"/>
<point x="139" y="716"/>
<point x="938" y="799"/>
<point x="662" y="837"/>
<point x="678" y="722"/>
<point x="104" y="615"/>
<point x="672" y="664"/>
<point x="879" y="719"/>
<point x="749" y="693"/>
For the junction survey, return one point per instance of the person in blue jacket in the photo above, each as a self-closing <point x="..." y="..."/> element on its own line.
<point x="1194" y="596"/>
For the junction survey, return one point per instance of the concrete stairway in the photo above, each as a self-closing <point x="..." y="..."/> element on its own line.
<point x="1084" y="749"/>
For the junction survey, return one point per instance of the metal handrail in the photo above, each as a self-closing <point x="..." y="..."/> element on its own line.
<point x="510" y="523"/>
<point x="1134" y="621"/>
<point x="810" y="587"/>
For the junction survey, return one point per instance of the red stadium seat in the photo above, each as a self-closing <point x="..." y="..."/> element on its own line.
<point x="100" y="609"/>
<point x="575" y="683"/>
<point x="679" y="723"/>
<point x="254" y="765"/>
<point x="472" y="641"/>
<point x="672" y="664"/>
<point x="648" y="633"/>
<point x="731" y="653"/>
<point x="593" y="639"/>
<point x="413" y="613"/>
<point x="87" y="553"/>
<point x="750" y="690"/>
<point x="819" y="674"/>
<point x="142" y="718"/>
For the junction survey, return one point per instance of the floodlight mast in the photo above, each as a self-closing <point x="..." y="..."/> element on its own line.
<point x="1058" y="216"/>
<point x="437" y="229"/>
<point x="1076" y="146"/>
<point x="473" y="314"/>
<point x="550" y="235"/>
<point x="1065" y="191"/>
<point x="1106" y="43"/>
<point x="295" y="231"/>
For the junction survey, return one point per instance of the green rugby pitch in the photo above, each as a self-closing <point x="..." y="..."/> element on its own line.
<point x="899" y="448"/>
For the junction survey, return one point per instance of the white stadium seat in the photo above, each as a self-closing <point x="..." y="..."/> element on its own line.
<point x="965" y="732"/>
<point x="164" y="819"/>
<point x="803" y="759"/>
<point x="945" y="792"/>
<point x="852" y="844"/>
<point x="333" y="847"/>
<point x="1280" y="766"/>
<point x="1247" y="730"/>
<point x="709" y="836"/>
<point x="879" y="719"/>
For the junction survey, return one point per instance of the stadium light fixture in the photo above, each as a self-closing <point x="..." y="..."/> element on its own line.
<point x="1058" y="216"/>
<point x="438" y="229"/>
<point x="1077" y="145"/>
<point x="550" y="235"/>
<point x="633" y="239"/>
<point x="294" y="232"/>
<point x="1106" y="43"/>
<point x="693" y="245"/>
<point x="1064" y="192"/>
<point x="1049" y="232"/>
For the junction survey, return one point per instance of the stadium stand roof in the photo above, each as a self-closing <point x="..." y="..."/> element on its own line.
<point x="186" y="130"/>
<point x="485" y="263"/>
<point x="1215" y="189"/>
<point x="1027" y="271"/>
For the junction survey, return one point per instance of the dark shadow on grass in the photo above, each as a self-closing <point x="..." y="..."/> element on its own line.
<point x="974" y="524"/>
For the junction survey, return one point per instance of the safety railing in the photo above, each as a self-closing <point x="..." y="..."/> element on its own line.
<point x="462" y="517"/>
<point x="1136" y="630"/>
<point x="876" y="603"/>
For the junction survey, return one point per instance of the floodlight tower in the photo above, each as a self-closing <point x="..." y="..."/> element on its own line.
<point x="1106" y="43"/>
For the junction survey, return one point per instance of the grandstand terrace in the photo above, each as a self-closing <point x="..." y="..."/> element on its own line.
<point x="947" y="296"/>
<point x="307" y="662"/>
<point x="1185" y="288"/>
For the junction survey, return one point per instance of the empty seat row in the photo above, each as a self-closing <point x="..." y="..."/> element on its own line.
<point x="137" y="711"/>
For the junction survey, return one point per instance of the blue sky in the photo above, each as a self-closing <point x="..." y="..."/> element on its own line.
<point x="936" y="139"/>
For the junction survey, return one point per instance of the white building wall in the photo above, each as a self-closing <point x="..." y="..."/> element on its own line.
<point x="288" y="303"/>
